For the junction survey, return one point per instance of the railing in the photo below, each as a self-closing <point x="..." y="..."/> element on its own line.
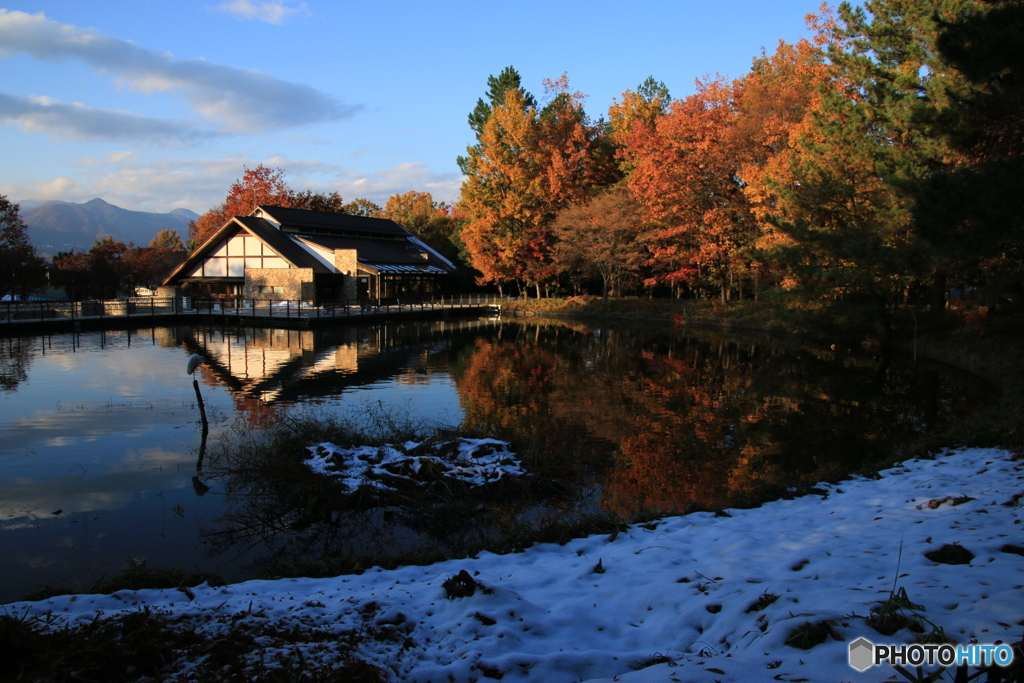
<point x="149" y="306"/>
<point x="298" y="308"/>
<point x="41" y="311"/>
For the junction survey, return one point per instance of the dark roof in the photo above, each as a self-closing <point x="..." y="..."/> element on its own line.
<point x="263" y="230"/>
<point x="379" y="251"/>
<point x="282" y="244"/>
<point x="298" y="220"/>
<point x="377" y="241"/>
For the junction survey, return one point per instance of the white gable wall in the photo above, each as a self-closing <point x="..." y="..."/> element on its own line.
<point x="236" y="254"/>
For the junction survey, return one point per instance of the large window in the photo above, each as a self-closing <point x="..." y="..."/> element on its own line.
<point x="234" y="255"/>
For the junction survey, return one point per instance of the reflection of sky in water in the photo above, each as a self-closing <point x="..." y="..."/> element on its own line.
<point x="104" y="427"/>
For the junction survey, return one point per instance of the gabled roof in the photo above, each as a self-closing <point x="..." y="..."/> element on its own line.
<point x="263" y="230"/>
<point x="378" y="242"/>
<point x="379" y="250"/>
<point x="284" y="245"/>
<point x="322" y="222"/>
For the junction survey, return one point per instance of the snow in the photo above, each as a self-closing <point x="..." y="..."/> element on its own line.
<point x="474" y="462"/>
<point x="679" y="599"/>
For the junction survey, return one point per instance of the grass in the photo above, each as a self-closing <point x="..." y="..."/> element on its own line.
<point x="314" y="530"/>
<point x="136" y="577"/>
<point x="149" y="646"/>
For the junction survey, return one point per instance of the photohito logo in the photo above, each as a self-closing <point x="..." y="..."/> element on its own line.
<point x="864" y="654"/>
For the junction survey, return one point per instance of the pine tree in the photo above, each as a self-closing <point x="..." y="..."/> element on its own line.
<point x="508" y="79"/>
<point x="973" y="211"/>
<point x="848" y="204"/>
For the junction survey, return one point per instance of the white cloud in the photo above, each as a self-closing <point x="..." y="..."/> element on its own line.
<point x="238" y="100"/>
<point x="269" y="12"/>
<point x="121" y="155"/>
<point x="63" y="188"/>
<point x="142" y="184"/>
<point x="60" y="121"/>
<point x="378" y="185"/>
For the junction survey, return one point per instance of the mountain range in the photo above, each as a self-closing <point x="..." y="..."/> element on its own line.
<point x="55" y="226"/>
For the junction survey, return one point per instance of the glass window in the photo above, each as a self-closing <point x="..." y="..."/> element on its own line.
<point x="236" y="246"/>
<point x="215" y="267"/>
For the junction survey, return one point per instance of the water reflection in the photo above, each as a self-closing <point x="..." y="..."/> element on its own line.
<point x="702" y="420"/>
<point x="104" y="427"/>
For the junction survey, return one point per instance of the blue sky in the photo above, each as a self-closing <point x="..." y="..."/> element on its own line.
<point x="160" y="104"/>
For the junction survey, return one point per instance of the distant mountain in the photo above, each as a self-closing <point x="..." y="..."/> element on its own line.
<point x="55" y="226"/>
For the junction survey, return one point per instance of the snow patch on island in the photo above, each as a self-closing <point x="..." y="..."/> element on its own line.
<point x="412" y="465"/>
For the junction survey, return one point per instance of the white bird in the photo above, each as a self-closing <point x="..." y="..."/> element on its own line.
<point x="194" y="362"/>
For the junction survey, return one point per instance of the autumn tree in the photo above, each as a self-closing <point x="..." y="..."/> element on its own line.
<point x="267" y="187"/>
<point x="148" y="266"/>
<point x="22" y="270"/>
<point x="435" y="223"/>
<point x="508" y="79"/>
<point x="577" y="159"/>
<point x="526" y="167"/>
<point x="687" y="176"/>
<point x="100" y="273"/>
<point x="361" y="207"/>
<point x="260" y="185"/>
<point x="503" y="194"/>
<point x="776" y="102"/>
<point x="601" y="238"/>
<point x="329" y="202"/>
<point x="167" y="239"/>
<point x="642" y="108"/>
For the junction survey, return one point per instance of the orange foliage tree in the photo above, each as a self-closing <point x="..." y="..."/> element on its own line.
<point x="601" y="237"/>
<point x="776" y="104"/>
<point x="260" y="185"/>
<point x="436" y="223"/>
<point x="267" y="187"/>
<point x="526" y="166"/>
<point x="687" y="176"/>
<point x="641" y="108"/>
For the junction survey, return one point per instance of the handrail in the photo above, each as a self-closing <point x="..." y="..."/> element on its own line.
<point x="151" y="307"/>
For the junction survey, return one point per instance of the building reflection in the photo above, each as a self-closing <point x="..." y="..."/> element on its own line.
<point x="263" y="368"/>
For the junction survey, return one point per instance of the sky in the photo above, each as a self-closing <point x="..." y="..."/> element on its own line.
<point x="155" y="105"/>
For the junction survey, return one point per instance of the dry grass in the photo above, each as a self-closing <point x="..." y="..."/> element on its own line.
<point x="149" y="646"/>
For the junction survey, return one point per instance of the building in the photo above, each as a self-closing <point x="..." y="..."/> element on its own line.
<point x="281" y="253"/>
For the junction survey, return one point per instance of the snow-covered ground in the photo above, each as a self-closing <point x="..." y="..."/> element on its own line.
<point x="684" y="599"/>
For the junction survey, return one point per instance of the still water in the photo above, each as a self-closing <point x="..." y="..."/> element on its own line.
<point x="99" y="432"/>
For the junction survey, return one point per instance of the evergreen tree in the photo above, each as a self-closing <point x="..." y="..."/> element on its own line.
<point x="508" y="79"/>
<point x="974" y="212"/>
<point x="848" y="205"/>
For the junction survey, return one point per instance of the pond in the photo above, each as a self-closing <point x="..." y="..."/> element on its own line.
<point x="99" y="433"/>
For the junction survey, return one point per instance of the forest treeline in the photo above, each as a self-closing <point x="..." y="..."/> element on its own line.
<point x="872" y="166"/>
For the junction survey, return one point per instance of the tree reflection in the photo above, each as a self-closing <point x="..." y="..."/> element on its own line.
<point x="634" y="422"/>
<point x="700" y="421"/>
<point x="16" y="354"/>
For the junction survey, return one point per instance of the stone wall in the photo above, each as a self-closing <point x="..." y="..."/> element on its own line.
<point x="347" y="262"/>
<point x="290" y="280"/>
